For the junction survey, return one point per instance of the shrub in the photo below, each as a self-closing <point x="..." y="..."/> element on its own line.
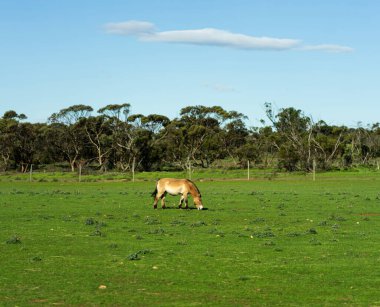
<point x="14" y="240"/>
<point x="136" y="255"/>
<point x="266" y="234"/>
<point x="198" y="224"/>
<point x="312" y="231"/>
<point x="152" y="221"/>
<point x="90" y="221"/>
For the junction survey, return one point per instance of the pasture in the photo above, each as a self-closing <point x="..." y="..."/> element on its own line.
<point x="288" y="241"/>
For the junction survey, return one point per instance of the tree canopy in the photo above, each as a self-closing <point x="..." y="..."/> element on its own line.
<point x="201" y="136"/>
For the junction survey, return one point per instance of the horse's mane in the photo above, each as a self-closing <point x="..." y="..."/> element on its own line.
<point x="195" y="186"/>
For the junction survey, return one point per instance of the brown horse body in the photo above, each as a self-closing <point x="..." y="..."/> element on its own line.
<point x="175" y="187"/>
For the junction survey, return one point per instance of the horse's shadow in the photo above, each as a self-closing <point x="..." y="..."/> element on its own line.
<point x="189" y="208"/>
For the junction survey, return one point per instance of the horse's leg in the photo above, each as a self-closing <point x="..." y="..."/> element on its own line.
<point x="181" y="201"/>
<point x="186" y="200"/>
<point x="163" y="201"/>
<point x="156" y="199"/>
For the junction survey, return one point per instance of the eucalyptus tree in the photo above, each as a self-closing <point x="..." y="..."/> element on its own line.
<point x="134" y="136"/>
<point x="234" y="135"/>
<point x="11" y="114"/>
<point x="125" y="128"/>
<point x="260" y="146"/>
<point x="305" y="145"/>
<point x="370" y="144"/>
<point x="8" y="132"/>
<point x="71" y="115"/>
<point x="363" y="145"/>
<point x="196" y="137"/>
<point x="173" y="154"/>
<point x="17" y="141"/>
<point x="69" y="133"/>
<point x="154" y="126"/>
<point x="134" y="140"/>
<point x="201" y="126"/>
<point x="99" y="133"/>
<point x="329" y="144"/>
<point x="117" y="115"/>
<point x="295" y="132"/>
<point x="26" y="147"/>
<point x="140" y="139"/>
<point x="375" y="144"/>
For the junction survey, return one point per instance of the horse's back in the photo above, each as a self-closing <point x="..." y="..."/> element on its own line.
<point x="172" y="181"/>
<point x="173" y="186"/>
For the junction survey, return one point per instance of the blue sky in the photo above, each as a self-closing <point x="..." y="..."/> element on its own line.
<point x="322" y="57"/>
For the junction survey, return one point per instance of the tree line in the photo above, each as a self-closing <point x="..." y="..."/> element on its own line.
<point x="114" y="139"/>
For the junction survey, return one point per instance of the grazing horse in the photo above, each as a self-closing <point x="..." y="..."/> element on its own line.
<point x="175" y="187"/>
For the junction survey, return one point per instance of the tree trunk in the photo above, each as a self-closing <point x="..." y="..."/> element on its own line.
<point x="188" y="168"/>
<point x="24" y="167"/>
<point x="80" y="172"/>
<point x="6" y="158"/>
<point x="133" y="168"/>
<point x="72" y="165"/>
<point x="100" y="158"/>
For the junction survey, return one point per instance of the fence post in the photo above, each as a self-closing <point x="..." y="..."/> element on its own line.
<point x="133" y="169"/>
<point x="248" y="166"/>
<point x="30" y="172"/>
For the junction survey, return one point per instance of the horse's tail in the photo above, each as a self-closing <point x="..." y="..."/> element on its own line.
<point x="154" y="192"/>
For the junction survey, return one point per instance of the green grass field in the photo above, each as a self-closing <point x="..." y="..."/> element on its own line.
<point x="287" y="241"/>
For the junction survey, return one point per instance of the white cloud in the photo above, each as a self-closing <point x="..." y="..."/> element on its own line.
<point x="146" y="31"/>
<point x="328" y="48"/>
<point x="215" y="37"/>
<point x="132" y="27"/>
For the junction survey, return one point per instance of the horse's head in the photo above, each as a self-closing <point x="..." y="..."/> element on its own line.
<point x="198" y="202"/>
